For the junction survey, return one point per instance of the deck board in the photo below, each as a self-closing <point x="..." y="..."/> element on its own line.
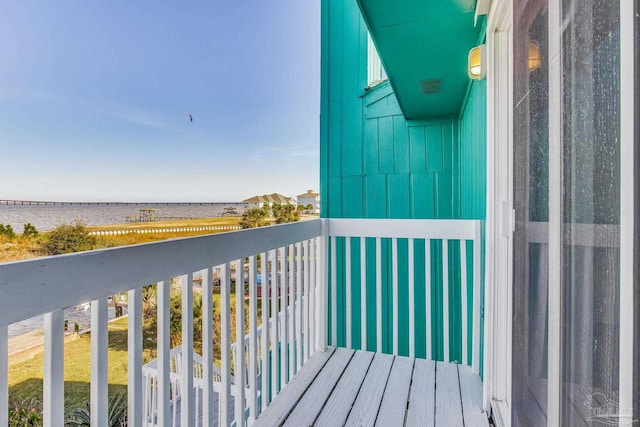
<point x="280" y="408"/>
<point x="471" y="393"/>
<point x="360" y="388"/>
<point x="337" y="408"/>
<point x="396" y="394"/>
<point x="317" y="394"/>
<point x="448" y="405"/>
<point x="365" y="408"/>
<point x="421" y="408"/>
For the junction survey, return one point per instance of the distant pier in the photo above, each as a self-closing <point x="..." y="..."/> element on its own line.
<point x="41" y="202"/>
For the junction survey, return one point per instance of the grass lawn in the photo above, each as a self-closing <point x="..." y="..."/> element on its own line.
<point x="195" y="222"/>
<point x="25" y="378"/>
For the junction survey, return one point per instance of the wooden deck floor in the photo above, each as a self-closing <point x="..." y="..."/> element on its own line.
<point x="360" y="388"/>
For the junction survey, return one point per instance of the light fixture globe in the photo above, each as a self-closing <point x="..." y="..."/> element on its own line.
<point x="476" y="68"/>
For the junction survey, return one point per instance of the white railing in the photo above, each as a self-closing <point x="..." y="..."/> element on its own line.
<point x="288" y="262"/>
<point x="374" y="276"/>
<point x="364" y="260"/>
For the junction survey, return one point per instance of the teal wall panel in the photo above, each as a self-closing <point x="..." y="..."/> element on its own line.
<point x="377" y="164"/>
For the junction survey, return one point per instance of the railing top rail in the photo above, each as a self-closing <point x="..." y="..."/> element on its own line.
<point x="41" y="285"/>
<point x="453" y="229"/>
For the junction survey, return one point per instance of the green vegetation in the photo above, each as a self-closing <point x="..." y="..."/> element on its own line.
<point x="68" y="238"/>
<point x="254" y="217"/>
<point x="284" y="213"/>
<point x="25" y="412"/>
<point x="81" y="417"/>
<point x="29" y="230"/>
<point x="7" y="230"/>
<point x="25" y="378"/>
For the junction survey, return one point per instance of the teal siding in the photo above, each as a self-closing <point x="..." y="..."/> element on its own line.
<point x="377" y="164"/>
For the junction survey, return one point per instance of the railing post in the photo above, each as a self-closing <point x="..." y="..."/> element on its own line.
<point x="4" y="366"/>
<point x="323" y="295"/>
<point x="53" y="383"/>
<point x="207" y="346"/>
<point x="99" y="361"/>
<point x="477" y="282"/>
<point x="163" y="350"/>
<point x="134" y="343"/>
<point x="186" y="392"/>
<point x="239" y="369"/>
<point x="225" y="346"/>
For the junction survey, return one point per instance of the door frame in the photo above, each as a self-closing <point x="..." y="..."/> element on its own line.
<point x="500" y="215"/>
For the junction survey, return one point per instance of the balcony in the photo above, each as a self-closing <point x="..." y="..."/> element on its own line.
<point x="364" y="321"/>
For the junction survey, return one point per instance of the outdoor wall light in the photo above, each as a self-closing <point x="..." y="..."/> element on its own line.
<point x="535" y="59"/>
<point x="476" y="67"/>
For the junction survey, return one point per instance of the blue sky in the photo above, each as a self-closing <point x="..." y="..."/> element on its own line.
<point x="95" y="98"/>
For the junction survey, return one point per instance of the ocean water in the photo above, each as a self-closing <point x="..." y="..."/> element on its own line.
<point x="47" y="217"/>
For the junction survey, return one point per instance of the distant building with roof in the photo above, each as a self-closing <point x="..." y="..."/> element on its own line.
<point x="267" y="200"/>
<point x="310" y="198"/>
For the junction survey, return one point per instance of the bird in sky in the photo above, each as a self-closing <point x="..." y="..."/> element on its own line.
<point x="190" y="118"/>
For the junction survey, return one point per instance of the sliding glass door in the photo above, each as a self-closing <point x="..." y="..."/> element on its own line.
<point x="575" y="308"/>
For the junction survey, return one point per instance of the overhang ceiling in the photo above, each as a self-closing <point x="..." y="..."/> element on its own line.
<point x="424" y="45"/>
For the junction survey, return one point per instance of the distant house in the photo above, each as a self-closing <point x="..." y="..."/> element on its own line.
<point x="310" y="198"/>
<point x="268" y="200"/>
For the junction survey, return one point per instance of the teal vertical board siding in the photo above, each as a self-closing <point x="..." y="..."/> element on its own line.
<point x="376" y="196"/>
<point x="371" y="158"/>
<point x="401" y="145"/>
<point x="376" y="164"/>
<point x="385" y="145"/>
<point x="434" y="148"/>
<point x="399" y="200"/>
<point x="423" y="195"/>
<point x="418" y="144"/>
<point x="473" y="159"/>
<point x="352" y="207"/>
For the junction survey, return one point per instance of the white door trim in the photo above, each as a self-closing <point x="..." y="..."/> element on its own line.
<point x="499" y="224"/>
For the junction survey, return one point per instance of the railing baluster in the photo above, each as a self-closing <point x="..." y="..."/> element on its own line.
<point x="463" y="299"/>
<point x="99" y="363"/>
<point x="273" y="290"/>
<point x="427" y="297"/>
<point x="313" y="329"/>
<point x="298" y="305"/>
<point x="253" y="342"/>
<point x="334" y="293"/>
<point x="321" y="288"/>
<point x="239" y="358"/>
<point x="134" y="356"/>
<point x="363" y="293"/>
<point x="412" y="304"/>
<point x="394" y="299"/>
<point x="445" y="298"/>
<point x="4" y="380"/>
<point x="225" y="345"/>
<point x="53" y="382"/>
<point x="208" y="409"/>
<point x="264" y="293"/>
<point x="306" y="297"/>
<point x="163" y="349"/>
<point x="347" y="284"/>
<point x="378" y="294"/>
<point x="292" y="314"/>
<point x="186" y="385"/>
<point x="477" y="279"/>
<point x="284" y="354"/>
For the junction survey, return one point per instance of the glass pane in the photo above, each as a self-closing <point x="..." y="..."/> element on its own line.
<point x="531" y="202"/>
<point x="591" y="207"/>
